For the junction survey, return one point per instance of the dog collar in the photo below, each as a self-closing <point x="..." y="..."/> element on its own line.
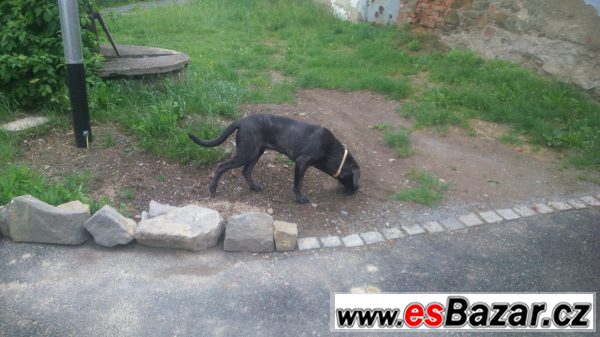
<point x="339" y="171"/>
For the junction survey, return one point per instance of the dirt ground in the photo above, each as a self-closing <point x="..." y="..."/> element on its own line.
<point x="483" y="173"/>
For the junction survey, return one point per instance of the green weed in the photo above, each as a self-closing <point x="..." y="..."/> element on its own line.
<point x="21" y="180"/>
<point x="400" y="140"/>
<point x="429" y="190"/>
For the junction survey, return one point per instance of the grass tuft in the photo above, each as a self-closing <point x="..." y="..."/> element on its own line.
<point x="429" y="190"/>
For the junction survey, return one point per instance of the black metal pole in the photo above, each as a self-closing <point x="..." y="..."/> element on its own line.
<point x="71" y="33"/>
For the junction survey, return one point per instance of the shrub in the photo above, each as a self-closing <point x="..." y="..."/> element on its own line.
<point x="32" y="57"/>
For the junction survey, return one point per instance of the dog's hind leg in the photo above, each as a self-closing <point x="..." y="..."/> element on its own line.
<point x="247" y="172"/>
<point x="234" y="162"/>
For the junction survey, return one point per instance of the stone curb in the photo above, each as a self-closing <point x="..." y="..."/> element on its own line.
<point x="463" y="222"/>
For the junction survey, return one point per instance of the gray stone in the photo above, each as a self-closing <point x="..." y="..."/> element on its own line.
<point x="331" y="241"/>
<point x="490" y="217"/>
<point x="285" y="235"/>
<point x="308" y="243"/>
<point x="560" y="206"/>
<point x="32" y="220"/>
<point x="452" y="224"/>
<point x="25" y="123"/>
<point x="524" y="211"/>
<point x="352" y="240"/>
<point x="3" y="221"/>
<point x="433" y="227"/>
<point x="190" y="227"/>
<point x="508" y="214"/>
<point x="157" y="209"/>
<point x="591" y="200"/>
<point x="372" y="237"/>
<point x="470" y="220"/>
<point x="577" y="204"/>
<point x="542" y="209"/>
<point x="392" y="233"/>
<point x="249" y="232"/>
<point x="413" y="229"/>
<point x="109" y="228"/>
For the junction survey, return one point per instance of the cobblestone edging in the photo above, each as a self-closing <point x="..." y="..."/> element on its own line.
<point x="449" y="224"/>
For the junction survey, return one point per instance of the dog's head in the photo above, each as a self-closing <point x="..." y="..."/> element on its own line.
<point x="350" y="175"/>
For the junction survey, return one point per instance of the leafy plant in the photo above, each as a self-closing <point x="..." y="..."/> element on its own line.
<point x="31" y="57"/>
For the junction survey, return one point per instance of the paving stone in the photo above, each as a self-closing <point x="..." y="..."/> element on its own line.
<point x="190" y="227"/>
<point x="352" y="240"/>
<point x="25" y="123"/>
<point x="452" y="224"/>
<point x="470" y="220"/>
<point x="308" y="243"/>
<point x="508" y="214"/>
<point x="285" y="235"/>
<point x="542" y="209"/>
<point x="524" y="211"/>
<point x="577" y="204"/>
<point x="372" y="237"/>
<point x="392" y="233"/>
<point x="591" y="201"/>
<point x="560" y="206"/>
<point x="490" y="217"/>
<point x="249" y="232"/>
<point x="433" y="227"/>
<point x="331" y="241"/>
<point x="109" y="228"/>
<point x="32" y="220"/>
<point x="413" y="229"/>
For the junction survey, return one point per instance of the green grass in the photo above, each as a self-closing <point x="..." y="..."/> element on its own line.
<point x="21" y="180"/>
<point x="235" y="45"/>
<point x="550" y="113"/>
<point x="511" y="138"/>
<point x="398" y="139"/>
<point x="429" y="190"/>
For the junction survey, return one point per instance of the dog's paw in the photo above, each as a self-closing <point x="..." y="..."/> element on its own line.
<point x="256" y="187"/>
<point x="302" y="200"/>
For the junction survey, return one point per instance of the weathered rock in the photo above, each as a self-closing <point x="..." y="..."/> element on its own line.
<point x="76" y="206"/>
<point x="249" y="232"/>
<point x="3" y="221"/>
<point x="285" y="235"/>
<point x="25" y="123"/>
<point x="190" y="227"/>
<point x="109" y="228"/>
<point x="32" y="220"/>
<point x="157" y="209"/>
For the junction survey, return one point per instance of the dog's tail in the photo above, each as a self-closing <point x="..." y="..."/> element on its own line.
<point x="217" y="141"/>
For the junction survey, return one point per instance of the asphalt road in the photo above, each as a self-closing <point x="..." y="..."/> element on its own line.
<point x="48" y="290"/>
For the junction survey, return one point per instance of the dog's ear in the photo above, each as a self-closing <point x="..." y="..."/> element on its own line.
<point x="355" y="177"/>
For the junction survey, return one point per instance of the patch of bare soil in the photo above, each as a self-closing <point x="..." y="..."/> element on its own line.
<point x="482" y="172"/>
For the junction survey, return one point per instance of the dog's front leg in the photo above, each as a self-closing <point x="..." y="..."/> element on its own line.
<point x="301" y="165"/>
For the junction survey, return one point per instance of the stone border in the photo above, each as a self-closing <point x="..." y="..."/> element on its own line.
<point x="109" y="228"/>
<point x="461" y="222"/>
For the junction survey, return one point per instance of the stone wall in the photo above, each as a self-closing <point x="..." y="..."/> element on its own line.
<point x="557" y="37"/>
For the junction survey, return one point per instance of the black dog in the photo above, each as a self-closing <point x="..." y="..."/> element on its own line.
<point x="306" y="144"/>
